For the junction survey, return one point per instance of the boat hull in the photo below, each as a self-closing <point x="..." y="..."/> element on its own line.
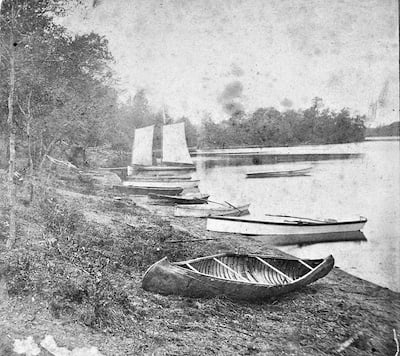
<point x="159" y="184"/>
<point x="147" y="190"/>
<point x="203" y="211"/>
<point x="163" y="169"/>
<point x="308" y="239"/>
<point x="276" y="174"/>
<point x="180" y="199"/>
<point x="251" y="279"/>
<point x="257" y="227"/>
<point x="158" y="179"/>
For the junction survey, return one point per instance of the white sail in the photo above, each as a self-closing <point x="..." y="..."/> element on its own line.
<point x="174" y="147"/>
<point x="142" y="151"/>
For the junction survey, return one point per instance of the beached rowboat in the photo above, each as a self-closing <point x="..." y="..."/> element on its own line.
<point x="205" y="210"/>
<point x="147" y="190"/>
<point x="275" y="174"/>
<point x="192" y="183"/>
<point x="181" y="199"/>
<point x="135" y="178"/>
<point x="245" y="277"/>
<point x="282" y="225"/>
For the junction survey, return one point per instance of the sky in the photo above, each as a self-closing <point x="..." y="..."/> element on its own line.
<point x="207" y="56"/>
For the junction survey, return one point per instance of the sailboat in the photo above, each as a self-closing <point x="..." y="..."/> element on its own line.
<point x="175" y="153"/>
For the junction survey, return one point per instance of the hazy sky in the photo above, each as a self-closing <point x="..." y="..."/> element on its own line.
<point x="189" y="53"/>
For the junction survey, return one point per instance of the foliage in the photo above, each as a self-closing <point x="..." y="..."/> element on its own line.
<point x="385" y="130"/>
<point x="63" y="84"/>
<point x="270" y="127"/>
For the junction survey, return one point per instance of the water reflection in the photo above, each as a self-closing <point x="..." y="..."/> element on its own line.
<point x="206" y="162"/>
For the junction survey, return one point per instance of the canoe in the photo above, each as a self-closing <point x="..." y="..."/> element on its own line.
<point x="182" y="199"/>
<point x="147" y="190"/>
<point x="193" y="183"/>
<point x="244" y="277"/>
<point x="204" y="210"/>
<point x="274" y="174"/>
<point x="282" y="225"/>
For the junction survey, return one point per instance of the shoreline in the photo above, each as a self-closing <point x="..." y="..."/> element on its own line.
<point x="248" y="242"/>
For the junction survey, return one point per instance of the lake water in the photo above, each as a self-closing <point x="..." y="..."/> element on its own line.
<point x="348" y="180"/>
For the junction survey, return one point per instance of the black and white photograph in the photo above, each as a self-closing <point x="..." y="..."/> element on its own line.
<point x="199" y="177"/>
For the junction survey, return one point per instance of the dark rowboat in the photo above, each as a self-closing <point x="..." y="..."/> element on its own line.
<point x="275" y="174"/>
<point x="182" y="199"/>
<point x="147" y="190"/>
<point x="245" y="277"/>
<point x="204" y="210"/>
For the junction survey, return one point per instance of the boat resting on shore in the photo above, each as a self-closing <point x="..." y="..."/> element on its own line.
<point x="180" y="199"/>
<point x="190" y="183"/>
<point x="147" y="190"/>
<point x="165" y="178"/>
<point x="205" y="210"/>
<point x="244" y="277"/>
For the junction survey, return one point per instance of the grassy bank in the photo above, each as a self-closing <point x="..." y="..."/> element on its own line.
<point x="75" y="273"/>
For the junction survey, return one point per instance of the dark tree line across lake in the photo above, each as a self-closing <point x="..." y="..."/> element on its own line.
<point x="270" y="127"/>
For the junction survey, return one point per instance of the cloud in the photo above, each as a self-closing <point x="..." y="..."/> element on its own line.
<point x="230" y="98"/>
<point x="236" y="70"/>
<point x="287" y="103"/>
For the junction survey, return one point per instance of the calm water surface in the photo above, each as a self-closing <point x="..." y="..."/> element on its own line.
<point x="352" y="180"/>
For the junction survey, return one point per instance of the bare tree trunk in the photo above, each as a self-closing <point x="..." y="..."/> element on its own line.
<point x="28" y="133"/>
<point x="11" y="128"/>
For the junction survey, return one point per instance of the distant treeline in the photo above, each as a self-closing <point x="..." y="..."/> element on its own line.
<point x="386" y="130"/>
<point x="270" y="127"/>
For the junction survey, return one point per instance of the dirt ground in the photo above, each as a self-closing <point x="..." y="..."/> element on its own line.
<point x="337" y="315"/>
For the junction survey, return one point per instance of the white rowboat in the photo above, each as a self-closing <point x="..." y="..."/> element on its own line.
<point x="282" y="226"/>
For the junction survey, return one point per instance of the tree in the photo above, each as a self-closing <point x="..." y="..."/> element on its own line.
<point x="58" y="88"/>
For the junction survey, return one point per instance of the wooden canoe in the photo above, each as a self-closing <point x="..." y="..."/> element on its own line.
<point x="181" y="199"/>
<point x="275" y="174"/>
<point x="147" y="190"/>
<point x="282" y="225"/>
<point x="244" y="277"/>
<point x="205" y="210"/>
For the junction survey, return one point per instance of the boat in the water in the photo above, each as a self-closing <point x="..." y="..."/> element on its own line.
<point x="175" y="157"/>
<point x="180" y="199"/>
<point x="211" y="209"/>
<point x="297" y="230"/>
<point x="244" y="277"/>
<point x="276" y="174"/>
<point x="147" y="190"/>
